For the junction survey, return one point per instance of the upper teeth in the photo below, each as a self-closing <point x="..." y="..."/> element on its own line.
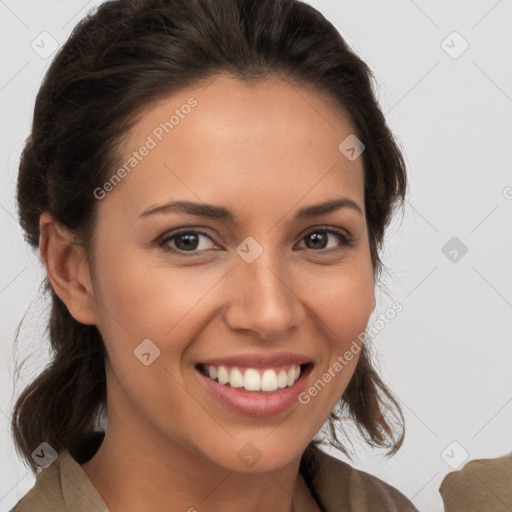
<point x="254" y="380"/>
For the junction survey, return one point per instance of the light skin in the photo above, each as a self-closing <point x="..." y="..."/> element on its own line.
<point x="263" y="151"/>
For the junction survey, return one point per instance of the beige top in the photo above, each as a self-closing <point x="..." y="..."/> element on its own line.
<point x="481" y="485"/>
<point x="64" y="486"/>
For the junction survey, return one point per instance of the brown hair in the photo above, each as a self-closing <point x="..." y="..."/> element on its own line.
<point x="117" y="60"/>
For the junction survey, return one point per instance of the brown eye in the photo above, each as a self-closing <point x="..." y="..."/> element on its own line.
<point x="318" y="239"/>
<point x="184" y="241"/>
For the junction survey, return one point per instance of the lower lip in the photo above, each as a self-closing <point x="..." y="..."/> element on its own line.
<point x="257" y="403"/>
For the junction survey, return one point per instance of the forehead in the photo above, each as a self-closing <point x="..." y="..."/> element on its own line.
<point x="225" y="140"/>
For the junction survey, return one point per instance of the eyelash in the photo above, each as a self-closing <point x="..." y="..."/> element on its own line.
<point x="347" y="241"/>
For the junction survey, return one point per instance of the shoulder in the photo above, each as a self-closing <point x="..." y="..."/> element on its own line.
<point x="482" y="484"/>
<point x="61" y="487"/>
<point x="45" y="494"/>
<point x="340" y="486"/>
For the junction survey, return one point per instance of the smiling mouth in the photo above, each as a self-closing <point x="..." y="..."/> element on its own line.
<point x="256" y="380"/>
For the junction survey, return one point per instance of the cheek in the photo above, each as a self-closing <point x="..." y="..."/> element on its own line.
<point x="141" y="301"/>
<point x="344" y="301"/>
<point x="343" y="310"/>
<point x="133" y="292"/>
<point x="137" y="304"/>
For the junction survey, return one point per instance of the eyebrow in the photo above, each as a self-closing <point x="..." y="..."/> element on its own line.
<point x="219" y="212"/>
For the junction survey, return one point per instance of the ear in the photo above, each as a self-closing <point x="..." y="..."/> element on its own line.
<point x="67" y="269"/>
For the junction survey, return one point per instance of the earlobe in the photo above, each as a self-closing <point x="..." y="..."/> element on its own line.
<point x="67" y="269"/>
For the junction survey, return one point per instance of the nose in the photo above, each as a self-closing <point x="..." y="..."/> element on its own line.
<point x="263" y="299"/>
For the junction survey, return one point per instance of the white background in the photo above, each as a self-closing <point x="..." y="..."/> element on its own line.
<point x="448" y="354"/>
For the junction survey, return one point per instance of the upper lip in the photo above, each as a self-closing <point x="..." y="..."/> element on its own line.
<point x="259" y="360"/>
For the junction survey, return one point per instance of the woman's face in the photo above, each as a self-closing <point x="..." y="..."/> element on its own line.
<point x="261" y="282"/>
